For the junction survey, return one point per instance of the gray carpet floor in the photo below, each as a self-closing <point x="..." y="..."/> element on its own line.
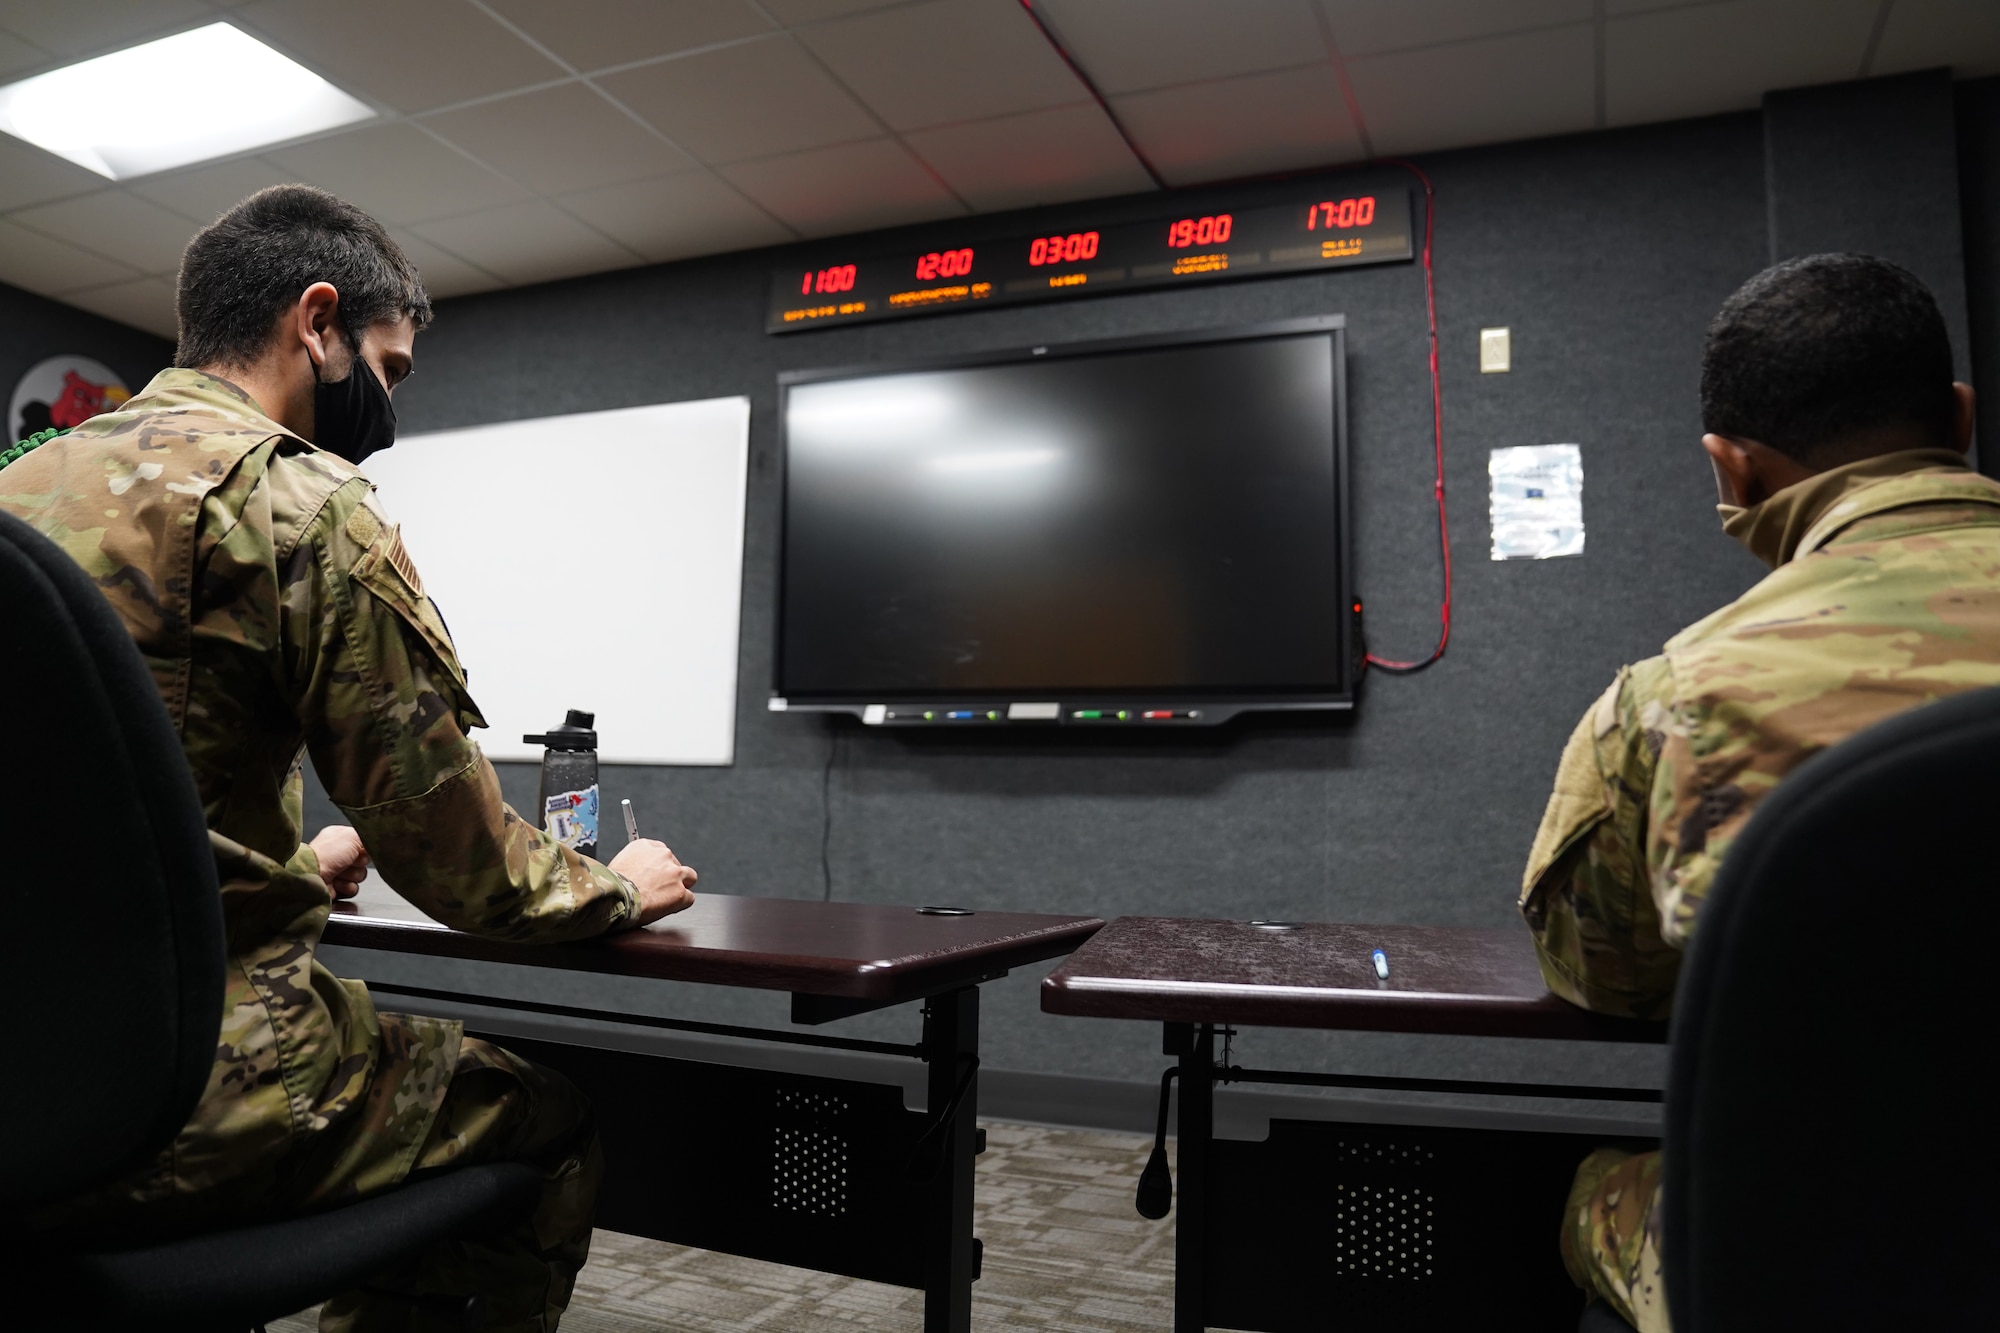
<point x="1065" y="1253"/>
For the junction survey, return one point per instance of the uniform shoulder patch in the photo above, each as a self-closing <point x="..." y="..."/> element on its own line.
<point x="1604" y="714"/>
<point x="363" y="527"/>
<point x="399" y="560"/>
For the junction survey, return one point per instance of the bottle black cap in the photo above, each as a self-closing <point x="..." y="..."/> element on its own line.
<point x="574" y="734"/>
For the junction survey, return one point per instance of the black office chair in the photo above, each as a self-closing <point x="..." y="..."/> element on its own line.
<point x="1830" y="1146"/>
<point x="111" y="980"/>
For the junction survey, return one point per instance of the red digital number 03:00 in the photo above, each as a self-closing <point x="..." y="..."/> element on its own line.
<point x="1063" y="249"/>
<point x="1200" y="231"/>
<point x="944" y="264"/>
<point x="1347" y="213"/>
<point x="839" y="278"/>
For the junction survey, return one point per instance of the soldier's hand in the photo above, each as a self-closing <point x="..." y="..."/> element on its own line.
<point x="665" y="885"/>
<point x="343" y="861"/>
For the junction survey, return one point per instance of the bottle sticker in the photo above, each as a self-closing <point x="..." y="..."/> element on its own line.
<point x="571" y="817"/>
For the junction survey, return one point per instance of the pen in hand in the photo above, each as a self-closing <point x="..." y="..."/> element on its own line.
<point x="631" y="824"/>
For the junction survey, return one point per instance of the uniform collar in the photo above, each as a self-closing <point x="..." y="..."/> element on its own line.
<point x="1778" y="529"/>
<point x="179" y="389"/>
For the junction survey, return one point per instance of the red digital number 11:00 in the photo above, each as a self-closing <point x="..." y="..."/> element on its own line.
<point x="839" y="278"/>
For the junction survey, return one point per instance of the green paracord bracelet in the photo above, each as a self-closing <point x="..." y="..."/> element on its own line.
<point x="29" y="445"/>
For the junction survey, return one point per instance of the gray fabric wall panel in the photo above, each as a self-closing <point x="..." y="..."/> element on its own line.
<point x="1872" y="166"/>
<point x="33" y="327"/>
<point x="1979" y="193"/>
<point x="1606" y="255"/>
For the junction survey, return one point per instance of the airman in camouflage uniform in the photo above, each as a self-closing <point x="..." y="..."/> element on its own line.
<point x="281" y="614"/>
<point x="1884" y="595"/>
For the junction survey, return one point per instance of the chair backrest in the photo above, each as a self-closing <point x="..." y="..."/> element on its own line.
<point x="111" y="940"/>
<point x="1829" y="1145"/>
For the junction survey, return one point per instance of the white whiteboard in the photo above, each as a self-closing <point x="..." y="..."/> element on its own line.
<point x="592" y="561"/>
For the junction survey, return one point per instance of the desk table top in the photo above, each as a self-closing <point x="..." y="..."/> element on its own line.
<point x="1478" y="982"/>
<point x="857" y="951"/>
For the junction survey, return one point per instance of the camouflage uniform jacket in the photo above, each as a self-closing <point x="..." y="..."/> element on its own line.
<point x="280" y="613"/>
<point x="1885" y="594"/>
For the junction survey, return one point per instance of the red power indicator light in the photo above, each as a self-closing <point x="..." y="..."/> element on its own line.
<point x="1200" y="231"/>
<point x="944" y="264"/>
<point x="839" y="278"/>
<point x="1063" y="249"/>
<point x="1159" y="712"/>
<point x="1347" y="213"/>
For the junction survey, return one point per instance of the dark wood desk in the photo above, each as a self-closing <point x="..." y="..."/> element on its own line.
<point x="1463" y="981"/>
<point x="1343" y="1222"/>
<point x="824" y="1173"/>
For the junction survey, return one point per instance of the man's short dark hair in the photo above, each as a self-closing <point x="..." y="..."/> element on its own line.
<point x="1813" y="354"/>
<point x="252" y="263"/>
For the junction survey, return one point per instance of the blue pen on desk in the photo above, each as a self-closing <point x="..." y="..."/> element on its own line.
<point x="1381" y="965"/>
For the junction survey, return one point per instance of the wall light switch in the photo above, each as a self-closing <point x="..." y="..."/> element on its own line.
<point x="1496" y="353"/>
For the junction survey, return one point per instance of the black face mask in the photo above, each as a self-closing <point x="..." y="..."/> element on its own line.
<point x="352" y="418"/>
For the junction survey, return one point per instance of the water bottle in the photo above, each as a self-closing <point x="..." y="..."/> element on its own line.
<point x="567" y="796"/>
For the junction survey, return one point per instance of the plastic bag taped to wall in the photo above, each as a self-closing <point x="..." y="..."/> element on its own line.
<point x="1537" y="501"/>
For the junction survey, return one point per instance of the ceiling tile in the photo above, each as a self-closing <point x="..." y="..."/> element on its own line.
<point x="591" y="34"/>
<point x="31" y="260"/>
<point x="745" y="101"/>
<point x="1964" y="34"/>
<point x="1240" y="127"/>
<point x="1712" y="58"/>
<point x="398" y="173"/>
<point x="523" y="243"/>
<point x="444" y="273"/>
<point x="1518" y="87"/>
<point x="205" y="193"/>
<point x="145" y="304"/>
<point x="90" y="27"/>
<point x="414" y="56"/>
<point x="811" y="11"/>
<point x="1043" y="157"/>
<point x="119" y="225"/>
<point x="1129" y="45"/>
<point x="1646" y="6"/>
<point x="947" y="61"/>
<point x="849" y="188"/>
<point x="1369" y="27"/>
<point x="29" y="176"/>
<point x="678" y="217"/>
<point x="16" y="55"/>
<point x="561" y="138"/>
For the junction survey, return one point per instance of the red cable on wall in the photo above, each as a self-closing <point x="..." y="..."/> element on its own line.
<point x="1437" y="434"/>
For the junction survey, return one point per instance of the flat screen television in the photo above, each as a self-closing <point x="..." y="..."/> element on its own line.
<point x="1136" y="533"/>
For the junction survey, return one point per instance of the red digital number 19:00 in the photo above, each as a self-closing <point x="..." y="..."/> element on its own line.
<point x="1200" y="231"/>
<point x="1063" y="249"/>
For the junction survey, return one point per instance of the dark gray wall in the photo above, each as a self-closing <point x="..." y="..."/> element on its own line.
<point x="1606" y="254"/>
<point x="33" y="327"/>
<point x="1979" y="196"/>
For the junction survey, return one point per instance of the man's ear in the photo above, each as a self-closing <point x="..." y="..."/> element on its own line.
<point x="1735" y="469"/>
<point x="314" y="320"/>
<point x="1968" y="404"/>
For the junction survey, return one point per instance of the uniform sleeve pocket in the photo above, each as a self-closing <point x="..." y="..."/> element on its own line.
<point x="385" y="569"/>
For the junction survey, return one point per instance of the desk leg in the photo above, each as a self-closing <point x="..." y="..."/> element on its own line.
<point x="1196" y="1048"/>
<point x="951" y="1258"/>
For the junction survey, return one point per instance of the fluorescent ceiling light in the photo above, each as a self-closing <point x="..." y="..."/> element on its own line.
<point x="187" y="98"/>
